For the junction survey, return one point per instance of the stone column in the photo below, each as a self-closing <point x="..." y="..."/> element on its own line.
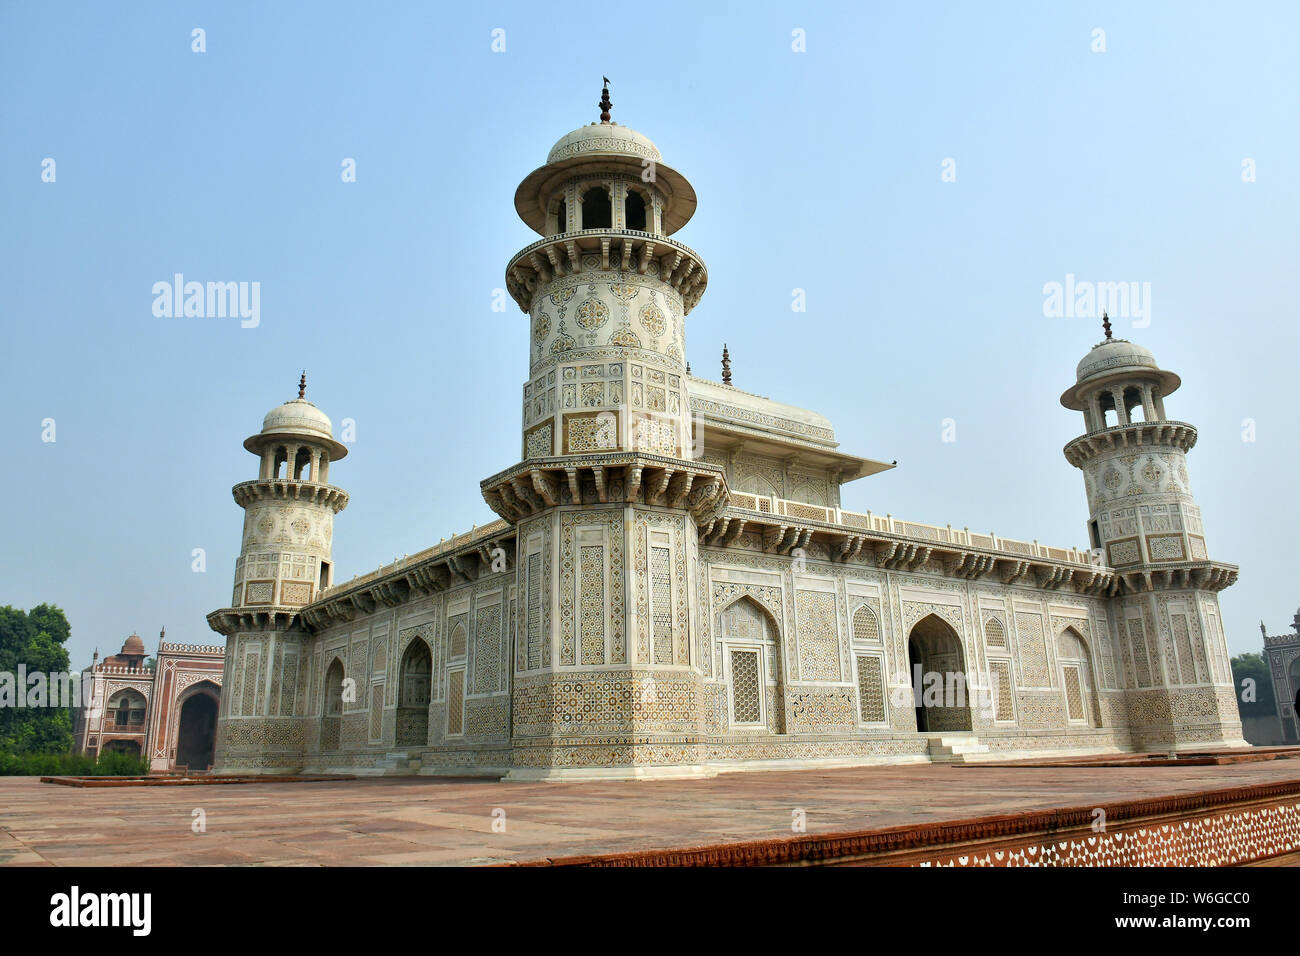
<point x="1148" y="406"/>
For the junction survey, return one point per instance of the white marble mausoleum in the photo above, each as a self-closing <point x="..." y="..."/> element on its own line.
<point x="673" y="587"/>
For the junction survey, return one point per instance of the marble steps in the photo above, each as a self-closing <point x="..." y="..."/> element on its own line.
<point x="956" y="748"/>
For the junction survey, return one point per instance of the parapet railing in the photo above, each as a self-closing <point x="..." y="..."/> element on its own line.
<point x="888" y="524"/>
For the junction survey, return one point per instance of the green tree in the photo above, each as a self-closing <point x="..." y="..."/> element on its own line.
<point x="36" y="640"/>
<point x="1251" y="666"/>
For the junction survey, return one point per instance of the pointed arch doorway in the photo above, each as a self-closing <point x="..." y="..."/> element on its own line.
<point x="196" y="731"/>
<point x="414" y="694"/>
<point x="937" y="668"/>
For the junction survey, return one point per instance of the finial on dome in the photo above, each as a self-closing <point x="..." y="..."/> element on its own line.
<point x="1105" y="324"/>
<point x="726" y="365"/>
<point x="605" y="104"/>
<point x="302" y="385"/>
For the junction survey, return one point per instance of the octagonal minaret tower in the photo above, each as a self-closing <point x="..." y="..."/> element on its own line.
<point x="289" y="508"/>
<point x="285" y="560"/>
<point x="1145" y="524"/>
<point x="606" y="282"/>
<point x="607" y="499"/>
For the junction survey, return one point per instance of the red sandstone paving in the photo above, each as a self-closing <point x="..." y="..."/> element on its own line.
<point x="431" y="820"/>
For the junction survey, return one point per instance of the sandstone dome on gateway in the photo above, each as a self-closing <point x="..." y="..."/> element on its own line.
<point x="603" y="139"/>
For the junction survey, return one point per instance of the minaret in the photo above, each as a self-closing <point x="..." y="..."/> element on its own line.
<point x="284" y="563"/>
<point x="606" y="282"/>
<point x="606" y="499"/>
<point x="289" y="508"/>
<point x="1144" y="523"/>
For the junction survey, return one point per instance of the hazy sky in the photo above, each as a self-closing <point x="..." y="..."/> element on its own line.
<point x="820" y="170"/>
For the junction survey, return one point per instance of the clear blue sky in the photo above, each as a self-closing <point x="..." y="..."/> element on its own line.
<point x="816" y="170"/>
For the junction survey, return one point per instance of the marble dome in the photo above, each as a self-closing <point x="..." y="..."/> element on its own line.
<point x="603" y="139"/>
<point x="297" y="417"/>
<point x="603" y="146"/>
<point x="1116" y="359"/>
<point x="1115" y="355"/>
<point x="300" y="418"/>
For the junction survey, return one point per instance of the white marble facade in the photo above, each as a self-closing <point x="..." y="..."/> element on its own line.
<point x="673" y="588"/>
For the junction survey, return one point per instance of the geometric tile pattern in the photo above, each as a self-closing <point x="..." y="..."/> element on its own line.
<point x="591" y="601"/>
<point x="455" y="703"/>
<point x="1073" y="697"/>
<point x="530" y="650"/>
<point x="1183" y="642"/>
<point x="819" y="649"/>
<point x="1137" y="641"/>
<point x="866" y="628"/>
<point x="1224" y="839"/>
<point x="1000" y="672"/>
<point x="1033" y="651"/>
<point x="661" y="602"/>
<point x="487" y="652"/>
<point x="745" y="688"/>
<point x="871" y="689"/>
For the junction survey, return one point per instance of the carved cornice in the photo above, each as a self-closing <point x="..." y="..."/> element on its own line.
<point x="284" y="489"/>
<point x="620" y="250"/>
<point x="1185" y="575"/>
<point x="466" y="558"/>
<point x="232" y="620"/>
<point x="1178" y="435"/>
<point x="891" y="551"/>
<point x="540" y="483"/>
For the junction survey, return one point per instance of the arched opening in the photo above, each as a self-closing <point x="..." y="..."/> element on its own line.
<point x="562" y="216"/>
<point x="597" y="213"/>
<point x="634" y="211"/>
<point x="302" y="465"/>
<point x="129" y="747"/>
<point x="1133" y="409"/>
<point x="751" y="661"/>
<point x="126" y="710"/>
<point x="281" y="458"/>
<point x="1291" y="727"/>
<point x="1077" y="678"/>
<point x="414" y="694"/>
<point x="1109" y="413"/>
<point x="939" y="678"/>
<point x="332" y="717"/>
<point x="196" y="734"/>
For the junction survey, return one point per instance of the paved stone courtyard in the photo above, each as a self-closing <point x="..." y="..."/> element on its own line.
<point x="437" y="821"/>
